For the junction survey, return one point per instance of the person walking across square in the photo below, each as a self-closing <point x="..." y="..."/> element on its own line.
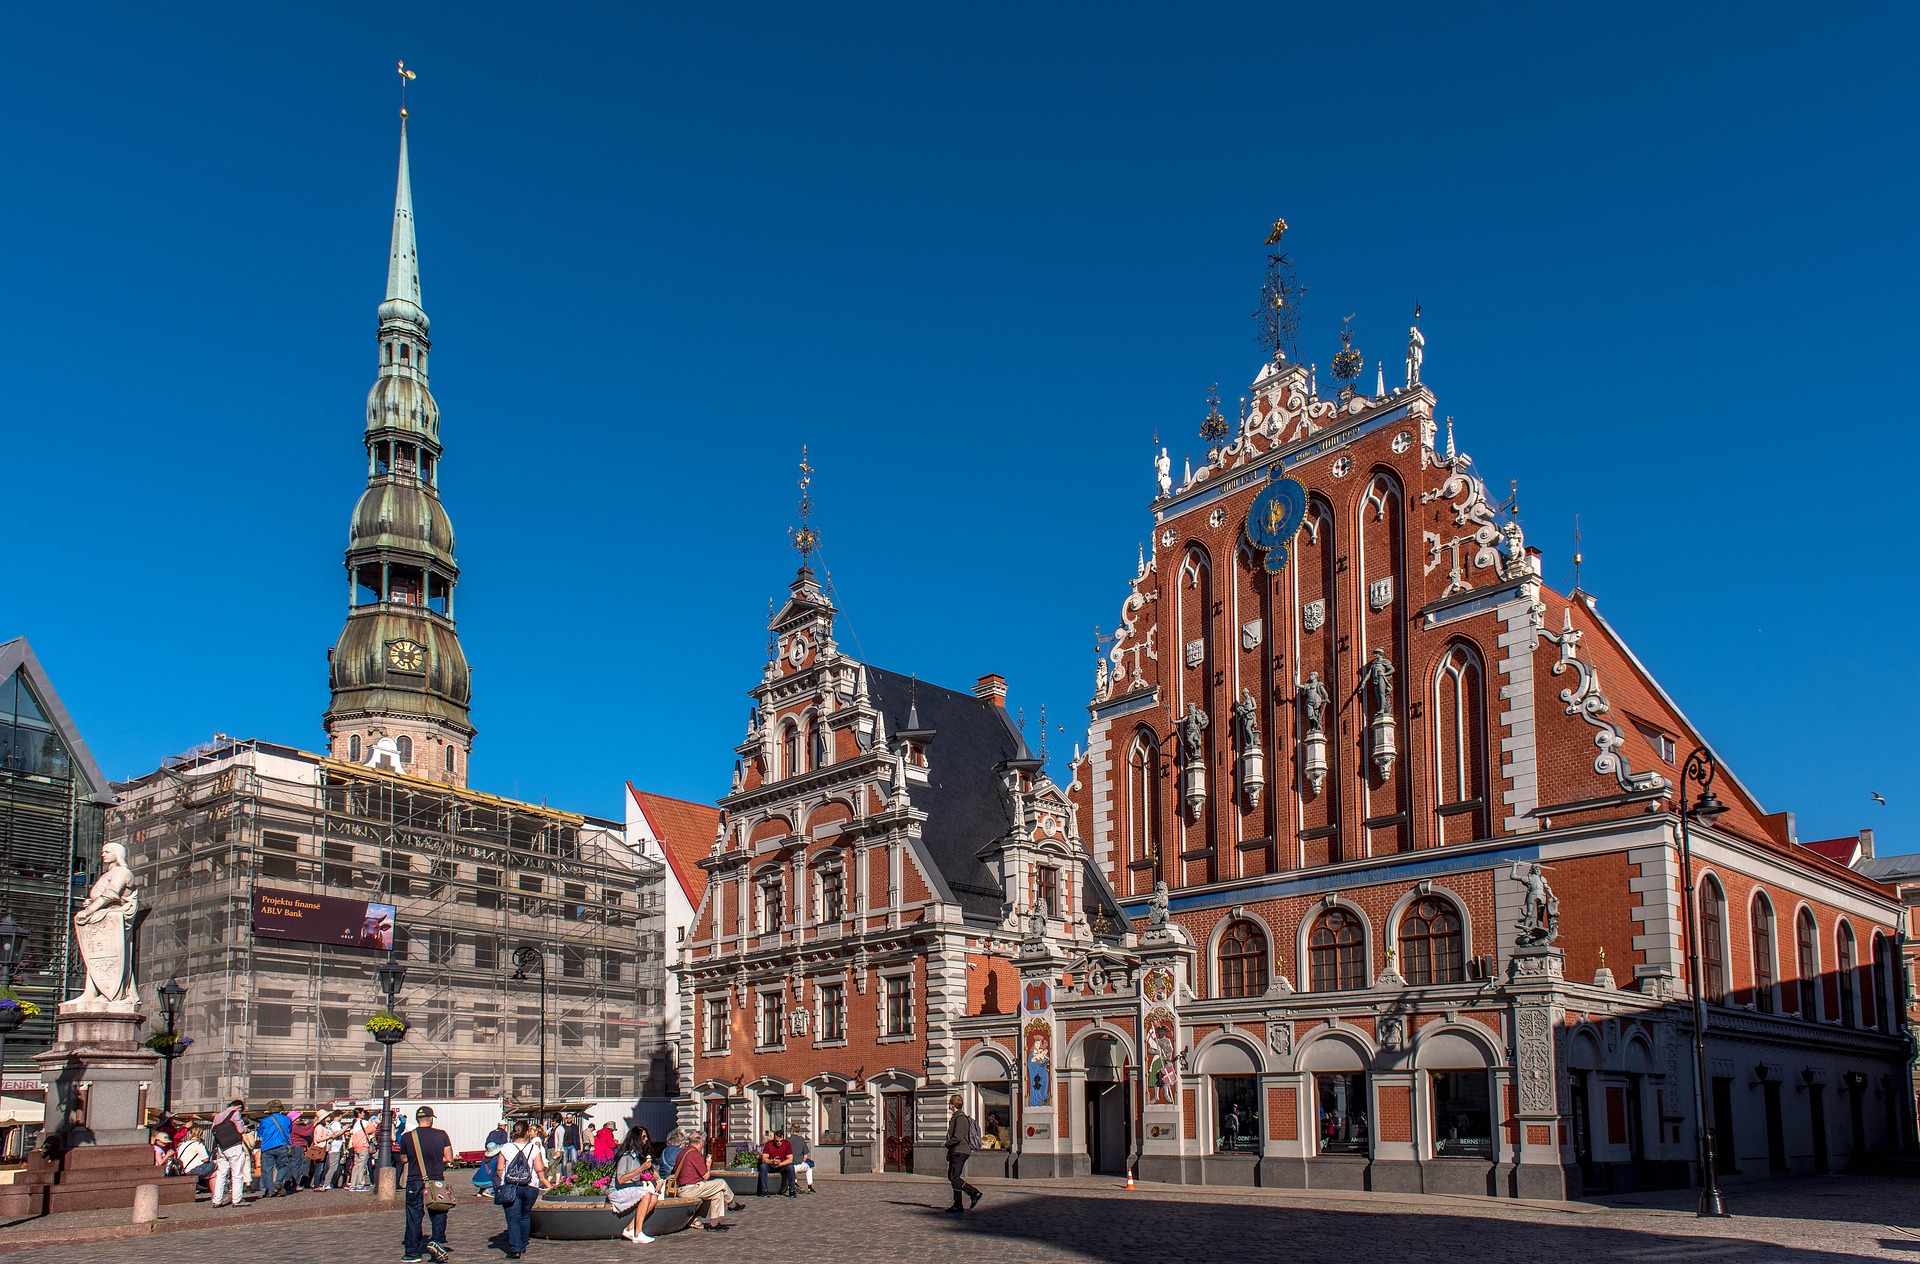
<point x="962" y="1136"/>
<point x="521" y="1168"/>
<point x="424" y="1158"/>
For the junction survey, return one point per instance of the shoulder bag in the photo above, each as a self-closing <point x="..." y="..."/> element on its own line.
<point x="438" y="1196"/>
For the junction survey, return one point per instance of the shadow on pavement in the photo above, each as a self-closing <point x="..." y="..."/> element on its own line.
<point x="1251" y="1233"/>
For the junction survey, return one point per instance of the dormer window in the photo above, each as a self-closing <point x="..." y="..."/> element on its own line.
<point x="1657" y="737"/>
<point x="1046" y="891"/>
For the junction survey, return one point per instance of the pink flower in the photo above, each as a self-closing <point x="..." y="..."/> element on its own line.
<point x="602" y="1182"/>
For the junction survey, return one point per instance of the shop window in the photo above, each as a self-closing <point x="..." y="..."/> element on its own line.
<point x="1243" y="960"/>
<point x="1342" y="1100"/>
<point x="773" y="1114"/>
<point x="832" y="1127"/>
<point x="1462" y="1113"/>
<point x="1236" y="1100"/>
<point x="1336" y="953"/>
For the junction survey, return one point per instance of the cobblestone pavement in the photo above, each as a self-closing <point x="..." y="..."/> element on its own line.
<point x="856" y="1221"/>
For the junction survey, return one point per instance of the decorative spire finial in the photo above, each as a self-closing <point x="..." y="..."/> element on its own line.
<point x="1280" y="291"/>
<point x="406" y="76"/>
<point x="1348" y="363"/>
<point x="805" y="538"/>
<point x="1214" y="427"/>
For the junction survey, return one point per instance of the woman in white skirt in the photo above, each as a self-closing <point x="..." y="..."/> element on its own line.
<point x="635" y="1186"/>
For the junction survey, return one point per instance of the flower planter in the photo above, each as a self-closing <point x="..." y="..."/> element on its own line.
<point x="742" y="1181"/>
<point x="570" y="1219"/>
<point x="390" y="1036"/>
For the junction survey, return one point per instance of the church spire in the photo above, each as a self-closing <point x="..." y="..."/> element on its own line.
<point x="400" y="680"/>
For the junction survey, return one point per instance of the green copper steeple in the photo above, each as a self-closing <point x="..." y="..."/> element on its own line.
<point x="401" y="684"/>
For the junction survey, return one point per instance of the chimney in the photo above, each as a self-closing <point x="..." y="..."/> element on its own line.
<point x="991" y="688"/>
<point x="1866" y="844"/>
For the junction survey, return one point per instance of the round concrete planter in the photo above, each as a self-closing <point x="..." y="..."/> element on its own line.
<point x="591" y="1220"/>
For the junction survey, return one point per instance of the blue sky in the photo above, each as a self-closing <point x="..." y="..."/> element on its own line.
<point x="974" y="257"/>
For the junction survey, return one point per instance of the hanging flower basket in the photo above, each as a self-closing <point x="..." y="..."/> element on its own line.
<point x="387" y="1027"/>
<point x="168" y="1044"/>
<point x="14" y="1010"/>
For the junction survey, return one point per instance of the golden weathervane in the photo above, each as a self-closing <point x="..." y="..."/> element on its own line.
<point x="805" y="538"/>
<point x="405" y="76"/>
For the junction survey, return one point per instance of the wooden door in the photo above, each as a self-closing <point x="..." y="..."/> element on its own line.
<point x="717" y="1154"/>
<point x="897" y="1110"/>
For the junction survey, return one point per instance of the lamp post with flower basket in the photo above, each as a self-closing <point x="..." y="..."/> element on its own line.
<point x="14" y="1009"/>
<point x="389" y="1029"/>
<point x="169" y="1044"/>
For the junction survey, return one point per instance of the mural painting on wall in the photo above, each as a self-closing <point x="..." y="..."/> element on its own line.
<point x="1163" y="1039"/>
<point x="1037" y="1037"/>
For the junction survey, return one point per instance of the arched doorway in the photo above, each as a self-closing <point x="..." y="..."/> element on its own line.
<point x="1233" y="1085"/>
<point x="1109" y="1119"/>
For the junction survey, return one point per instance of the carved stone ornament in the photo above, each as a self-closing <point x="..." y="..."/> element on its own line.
<point x="1402" y="441"/>
<point x="1280" y="1037"/>
<point x="1217" y="518"/>
<point x="1393" y="1031"/>
<point x="1533" y="1040"/>
<point x="1380" y="593"/>
<point x="1313" y="615"/>
<point x="1196" y="651"/>
<point x="1167" y="538"/>
<point x="1251" y="634"/>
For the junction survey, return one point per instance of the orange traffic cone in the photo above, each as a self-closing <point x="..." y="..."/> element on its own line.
<point x="1129" y="1178"/>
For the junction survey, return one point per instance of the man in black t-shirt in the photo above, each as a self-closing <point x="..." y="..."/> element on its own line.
<point x="425" y="1152"/>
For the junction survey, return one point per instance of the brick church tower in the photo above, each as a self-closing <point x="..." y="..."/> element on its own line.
<point x="401" y="684"/>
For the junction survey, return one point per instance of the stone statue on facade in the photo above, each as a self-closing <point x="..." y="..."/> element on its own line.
<point x="1247" y="711"/>
<point x="1416" y="352"/>
<point x="1377" y="678"/>
<point x="1163" y="472"/>
<point x="1193" y="727"/>
<point x="103" y="934"/>
<point x="1157" y="906"/>
<point x="1539" y="923"/>
<point x="1036" y="922"/>
<point x="1313" y="700"/>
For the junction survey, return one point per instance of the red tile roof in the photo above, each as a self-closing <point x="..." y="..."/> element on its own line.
<point x="1841" y="851"/>
<point x="685" y="831"/>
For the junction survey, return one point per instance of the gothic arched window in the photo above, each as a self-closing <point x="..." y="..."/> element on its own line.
<point x="1336" y="953"/>
<point x="789" y="750"/>
<point x="1808" y="937"/>
<point x="1762" y="954"/>
<point x="1713" y="957"/>
<point x="1243" y="960"/>
<point x="1432" y="948"/>
<point x="1143" y="800"/>
<point x="1843" y="973"/>
<point x="1460" y="744"/>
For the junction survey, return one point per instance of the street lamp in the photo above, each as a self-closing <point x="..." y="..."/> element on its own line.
<point x="525" y="958"/>
<point x="13" y="945"/>
<point x="171" y="994"/>
<point x="1706" y="809"/>
<point x="392" y="975"/>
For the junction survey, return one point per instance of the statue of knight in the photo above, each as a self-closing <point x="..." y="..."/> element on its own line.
<point x="103" y="933"/>
<point x="1539" y="923"/>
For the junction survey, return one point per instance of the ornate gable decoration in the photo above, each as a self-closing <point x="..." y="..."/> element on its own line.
<point x="1584" y="699"/>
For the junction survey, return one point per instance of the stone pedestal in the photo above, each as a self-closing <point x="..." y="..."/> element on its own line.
<point x="97" y="1076"/>
<point x="98" y="1080"/>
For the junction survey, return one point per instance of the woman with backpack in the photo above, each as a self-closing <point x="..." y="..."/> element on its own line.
<point x="521" y="1173"/>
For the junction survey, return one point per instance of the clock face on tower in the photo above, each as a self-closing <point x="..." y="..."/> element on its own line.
<point x="405" y="655"/>
<point x="797" y="649"/>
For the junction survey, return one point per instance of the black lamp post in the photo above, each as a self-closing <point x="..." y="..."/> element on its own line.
<point x="392" y="975"/>
<point x="171" y="994"/>
<point x="13" y="945"/>
<point x="1706" y="809"/>
<point x="525" y="958"/>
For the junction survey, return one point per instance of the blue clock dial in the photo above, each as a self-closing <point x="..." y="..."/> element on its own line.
<point x="1276" y="514"/>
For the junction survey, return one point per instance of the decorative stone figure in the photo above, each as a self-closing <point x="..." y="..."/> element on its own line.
<point x="1539" y="923"/>
<point x="1163" y="472"/>
<point x="1376" y="679"/>
<point x="1313" y="704"/>
<point x="1157" y="906"/>
<point x="1253" y="759"/>
<point x="1416" y="352"/>
<point x="1193" y="727"/>
<point x="103" y="933"/>
<point x="1312" y="700"/>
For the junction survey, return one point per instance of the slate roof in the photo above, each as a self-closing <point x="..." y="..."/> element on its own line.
<point x="1890" y="869"/>
<point x="965" y="801"/>
<point x="685" y="830"/>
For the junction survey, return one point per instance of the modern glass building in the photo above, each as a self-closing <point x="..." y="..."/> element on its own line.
<point x="53" y="801"/>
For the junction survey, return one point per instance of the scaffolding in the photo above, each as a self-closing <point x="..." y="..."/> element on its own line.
<point x="473" y="877"/>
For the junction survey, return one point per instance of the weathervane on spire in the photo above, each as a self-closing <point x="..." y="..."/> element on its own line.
<point x="805" y="538"/>
<point x="1348" y="362"/>
<point x="405" y="76"/>
<point x="1214" y="427"/>
<point x="1279" y="313"/>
